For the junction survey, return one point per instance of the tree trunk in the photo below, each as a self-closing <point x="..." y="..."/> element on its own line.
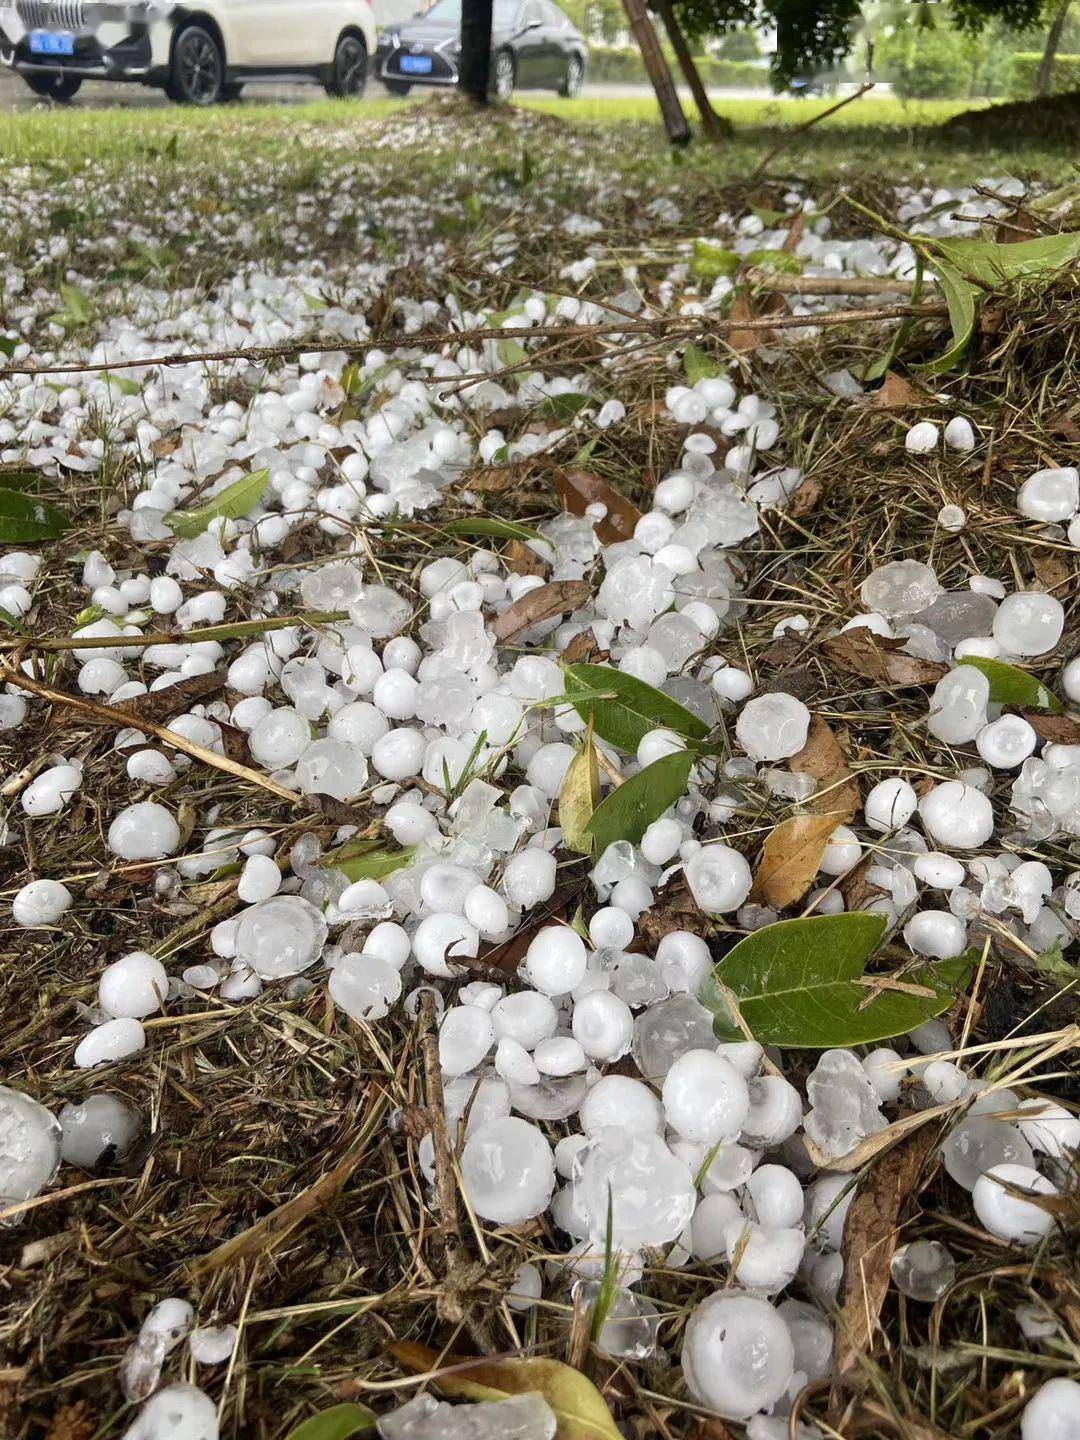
<point x="475" y="65"/>
<point x="711" y="124"/>
<point x="1045" y="80"/>
<point x="670" y="106"/>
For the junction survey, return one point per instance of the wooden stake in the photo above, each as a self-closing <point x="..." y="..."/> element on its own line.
<point x="670" y="105"/>
<point x="714" y="128"/>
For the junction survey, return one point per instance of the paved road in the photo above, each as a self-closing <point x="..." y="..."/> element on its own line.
<point x="96" y="95"/>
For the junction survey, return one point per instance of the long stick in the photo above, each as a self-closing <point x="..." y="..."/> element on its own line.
<point x="679" y="326"/>
<point x="111" y="715"/>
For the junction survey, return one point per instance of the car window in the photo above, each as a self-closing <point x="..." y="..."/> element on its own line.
<point x="553" y="16"/>
<point x="532" y="15"/>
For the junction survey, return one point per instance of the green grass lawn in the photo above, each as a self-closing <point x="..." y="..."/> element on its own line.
<point x="881" y="137"/>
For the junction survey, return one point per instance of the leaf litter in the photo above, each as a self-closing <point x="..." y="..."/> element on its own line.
<point x="233" y="1114"/>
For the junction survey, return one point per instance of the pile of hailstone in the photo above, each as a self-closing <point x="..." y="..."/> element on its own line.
<point x="589" y="1087"/>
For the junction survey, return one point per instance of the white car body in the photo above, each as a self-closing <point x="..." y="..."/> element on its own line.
<point x="136" y="39"/>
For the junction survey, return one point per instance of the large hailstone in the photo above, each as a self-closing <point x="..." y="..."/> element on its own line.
<point x="280" y="937"/>
<point x="773" y="727"/>
<point x="737" y="1354"/>
<point x="29" y="1147"/>
<point x="508" y="1171"/>
<point x="179" y="1412"/>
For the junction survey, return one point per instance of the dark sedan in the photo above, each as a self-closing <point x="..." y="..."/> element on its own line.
<point x="533" y="47"/>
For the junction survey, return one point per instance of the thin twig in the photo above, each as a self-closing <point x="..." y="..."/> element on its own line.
<point x="685" y="326"/>
<point x="460" y="1271"/>
<point x="111" y="715"/>
<point x="789" y="138"/>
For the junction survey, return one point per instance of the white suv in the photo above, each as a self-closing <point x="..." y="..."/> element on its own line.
<point x="198" y="52"/>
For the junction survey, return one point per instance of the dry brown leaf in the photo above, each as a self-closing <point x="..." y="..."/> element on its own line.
<point x="790" y="859"/>
<point x="794" y="234"/>
<point x="155" y="707"/>
<point x="581" y="648"/>
<point x="578" y="490"/>
<point x="675" y="909"/>
<point x="895" y="393"/>
<point x="873" y="657"/>
<point x="805" y="498"/>
<point x="1065" y="425"/>
<point x="745" y="341"/>
<point x="492" y="479"/>
<point x="1053" y="570"/>
<point x="540" y="604"/>
<point x="519" y="559"/>
<point x="870" y="1233"/>
<point x="823" y="758"/>
<point x="1057" y="729"/>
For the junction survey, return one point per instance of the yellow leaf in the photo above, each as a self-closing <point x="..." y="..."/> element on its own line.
<point x="791" y="857"/>
<point x="579" y="797"/>
<point x="579" y="1407"/>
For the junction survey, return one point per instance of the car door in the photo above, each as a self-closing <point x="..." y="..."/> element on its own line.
<point x="556" y="56"/>
<point x="529" y="43"/>
<point x="269" y="34"/>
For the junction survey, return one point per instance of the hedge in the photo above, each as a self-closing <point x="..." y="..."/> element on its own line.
<point x="1024" y="71"/>
<point x="623" y="65"/>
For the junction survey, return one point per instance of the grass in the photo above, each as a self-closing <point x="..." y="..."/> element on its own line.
<point x="893" y="139"/>
<point x="271" y="1186"/>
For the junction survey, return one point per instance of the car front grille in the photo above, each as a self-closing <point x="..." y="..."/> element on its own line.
<point x="51" y="14"/>
<point x="441" y="69"/>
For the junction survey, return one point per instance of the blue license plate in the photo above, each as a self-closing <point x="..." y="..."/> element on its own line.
<point x="52" y="42"/>
<point x="416" y="64"/>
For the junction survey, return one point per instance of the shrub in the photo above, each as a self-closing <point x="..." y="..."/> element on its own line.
<point x="1024" y="71"/>
<point x="624" y="66"/>
<point x="935" y="62"/>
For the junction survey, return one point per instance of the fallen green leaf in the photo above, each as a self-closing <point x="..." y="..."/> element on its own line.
<point x="369" y="863"/>
<point x="1009" y="685"/>
<point x="960" y="297"/>
<point x="579" y="797"/>
<point x="1054" y="966"/>
<point x="796" y="984"/>
<point x="628" y="812"/>
<point x="709" y="261"/>
<point x="489" y="526"/>
<point x="338" y="1423"/>
<point x="697" y="365"/>
<point x="24" y="518"/>
<point x="624" y="709"/>
<point x="580" y="1411"/>
<point x="236" y="500"/>
<point x="561" y="407"/>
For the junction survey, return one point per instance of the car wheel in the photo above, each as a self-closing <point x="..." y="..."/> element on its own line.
<point x="574" y="79"/>
<point x="502" y="75"/>
<point x="349" y="76"/>
<point x="397" y="87"/>
<point x="56" y="86"/>
<point x="197" y="69"/>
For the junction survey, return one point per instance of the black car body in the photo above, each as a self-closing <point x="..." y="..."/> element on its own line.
<point x="533" y="46"/>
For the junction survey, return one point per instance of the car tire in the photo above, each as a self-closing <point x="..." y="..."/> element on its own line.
<point x="60" y="88"/>
<point x="397" y="87"/>
<point x="573" y="79"/>
<point x="349" y="68"/>
<point x="503" y="75"/>
<point x="197" y="67"/>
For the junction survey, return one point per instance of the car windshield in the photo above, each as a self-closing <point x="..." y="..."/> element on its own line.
<point x="448" y="12"/>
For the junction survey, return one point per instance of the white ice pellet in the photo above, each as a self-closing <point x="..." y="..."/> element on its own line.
<point x="114" y="1040"/>
<point x="40" y="902"/>
<point x="133" y="986"/>
<point x="1010" y="1216"/>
